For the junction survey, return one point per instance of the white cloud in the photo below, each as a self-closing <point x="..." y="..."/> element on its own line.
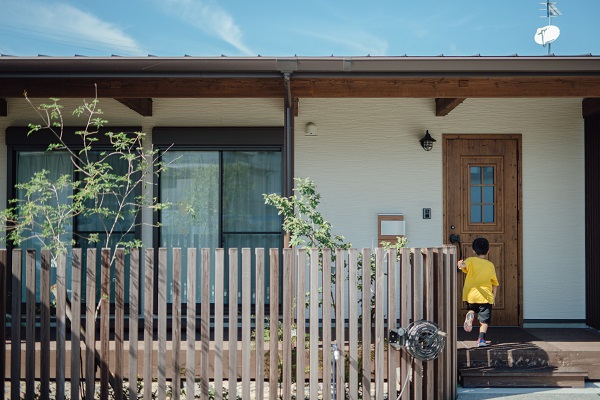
<point x="59" y="23"/>
<point x="209" y="18"/>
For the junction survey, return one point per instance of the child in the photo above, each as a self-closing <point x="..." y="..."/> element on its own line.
<point x="480" y="288"/>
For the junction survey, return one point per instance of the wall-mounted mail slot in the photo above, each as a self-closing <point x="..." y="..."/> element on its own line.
<point x="390" y="227"/>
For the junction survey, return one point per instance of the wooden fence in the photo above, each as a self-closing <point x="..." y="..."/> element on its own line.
<point x="49" y="345"/>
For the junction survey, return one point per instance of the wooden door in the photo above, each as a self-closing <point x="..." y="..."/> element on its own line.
<point x="482" y="199"/>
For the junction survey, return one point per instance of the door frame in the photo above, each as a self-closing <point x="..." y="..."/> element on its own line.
<point x="518" y="137"/>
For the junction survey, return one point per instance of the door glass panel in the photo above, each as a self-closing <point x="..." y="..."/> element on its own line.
<point x="475" y="194"/>
<point x="475" y="175"/>
<point x="482" y="194"/>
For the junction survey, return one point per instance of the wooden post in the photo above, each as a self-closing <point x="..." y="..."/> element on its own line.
<point x="176" y="325"/>
<point x="190" y="361"/>
<point x="134" y="311"/>
<point x="260" y="322"/>
<point x="90" y="325"/>
<point x="148" y="319"/>
<point x="45" y="324"/>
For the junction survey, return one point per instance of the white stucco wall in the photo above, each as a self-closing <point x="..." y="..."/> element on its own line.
<point x="367" y="159"/>
<point x="380" y="167"/>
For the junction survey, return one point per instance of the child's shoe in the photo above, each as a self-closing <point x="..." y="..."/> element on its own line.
<point x="482" y="343"/>
<point x="468" y="325"/>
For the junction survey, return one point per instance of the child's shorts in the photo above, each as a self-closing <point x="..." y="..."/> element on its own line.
<point x="484" y="311"/>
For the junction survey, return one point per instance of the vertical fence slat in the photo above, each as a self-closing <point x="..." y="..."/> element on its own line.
<point x="148" y="320"/>
<point x="301" y="324"/>
<point x="340" y="278"/>
<point x="366" y="324"/>
<point x="205" y="324"/>
<point x="219" y="314"/>
<point x="119" y="321"/>
<point x="3" y="311"/>
<point x="162" y="324"/>
<point x="288" y="301"/>
<point x="392" y="318"/>
<point x="45" y="324"/>
<point x="90" y="325"/>
<point x="379" y="321"/>
<point x="30" y="324"/>
<point x="233" y="321"/>
<point x="134" y="311"/>
<point x="314" y="323"/>
<point x="326" y="290"/>
<point x="104" y="322"/>
<point x="61" y="325"/>
<point x="246" y="299"/>
<point x="190" y="361"/>
<point x="176" y="325"/>
<point x="273" y="322"/>
<point x="452" y="296"/>
<point x="418" y="314"/>
<point x="444" y="316"/>
<point x="428" y="308"/>
<point x="405" y="318"/>
<point x="440" y="364"/>
<point x="260" y="322"/>
<point x="15" y="324"/>
<point x="353" y="323"/>
<point x="75" y="323"/>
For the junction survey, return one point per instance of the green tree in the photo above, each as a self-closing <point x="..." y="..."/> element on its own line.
<point x="94" y="190"/>
<point x="308" y="228"/>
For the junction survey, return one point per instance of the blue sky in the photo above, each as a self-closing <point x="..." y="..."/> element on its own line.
<point x="207" y="28"/>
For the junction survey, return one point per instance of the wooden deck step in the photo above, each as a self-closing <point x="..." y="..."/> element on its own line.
<point x="523" y="377"/>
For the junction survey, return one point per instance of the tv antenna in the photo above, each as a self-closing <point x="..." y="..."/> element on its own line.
<point x="549" y="33"/>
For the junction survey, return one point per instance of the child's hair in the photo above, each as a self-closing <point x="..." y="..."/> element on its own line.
<point x="481" y="246"/>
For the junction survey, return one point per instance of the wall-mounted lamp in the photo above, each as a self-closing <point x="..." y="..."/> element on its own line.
<point x="310" y="129"/>
<point x="427" y="141"/>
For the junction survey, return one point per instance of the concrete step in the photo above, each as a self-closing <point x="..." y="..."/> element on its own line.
<point x="545" y="376"/>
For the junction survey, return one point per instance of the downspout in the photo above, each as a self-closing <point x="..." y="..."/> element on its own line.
<point x="289" y="135"/>
<point x="288" y="144"/>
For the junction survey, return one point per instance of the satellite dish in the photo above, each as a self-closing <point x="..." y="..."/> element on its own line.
<point x="546" y="34"/>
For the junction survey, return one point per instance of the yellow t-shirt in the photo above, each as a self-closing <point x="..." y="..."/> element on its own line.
<point x="481" y="275"/>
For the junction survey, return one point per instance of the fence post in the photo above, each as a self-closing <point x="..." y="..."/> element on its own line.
<point x="61" y="325"/>
<point x="134" y="310"/>
<point x="162" y="323"/>
<point x="90" y="326"/>
<point x="219" y="315"/>
<point x="45" y="324"/>
<point x="148" y="320"/>
<point x="260" y="322"/>
<point x="176" y="325"/>
<point x="75" y="323"/>
<point x="30" y="324"/>
<point x="3" y="295"/>
<point x="233" y="321"/>
<point x="366" y="324"/>
<point x="301" y="324"/>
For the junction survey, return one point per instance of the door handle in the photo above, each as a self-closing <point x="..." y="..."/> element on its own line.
<point x="454" y="238"/>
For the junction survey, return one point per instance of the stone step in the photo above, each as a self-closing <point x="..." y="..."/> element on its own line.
<point x="523" y="377"/>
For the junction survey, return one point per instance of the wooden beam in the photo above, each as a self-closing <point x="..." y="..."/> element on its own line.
<point x="142" y="88"/>
<point x="140" y="106"/>
<point x="3" y="108"/>
<point x="411" y="87"/>
<point x="590" y="106"/>
<point x="444" y="106"/>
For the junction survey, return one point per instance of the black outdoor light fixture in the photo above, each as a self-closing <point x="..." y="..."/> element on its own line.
<point x="427" y="141"/>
